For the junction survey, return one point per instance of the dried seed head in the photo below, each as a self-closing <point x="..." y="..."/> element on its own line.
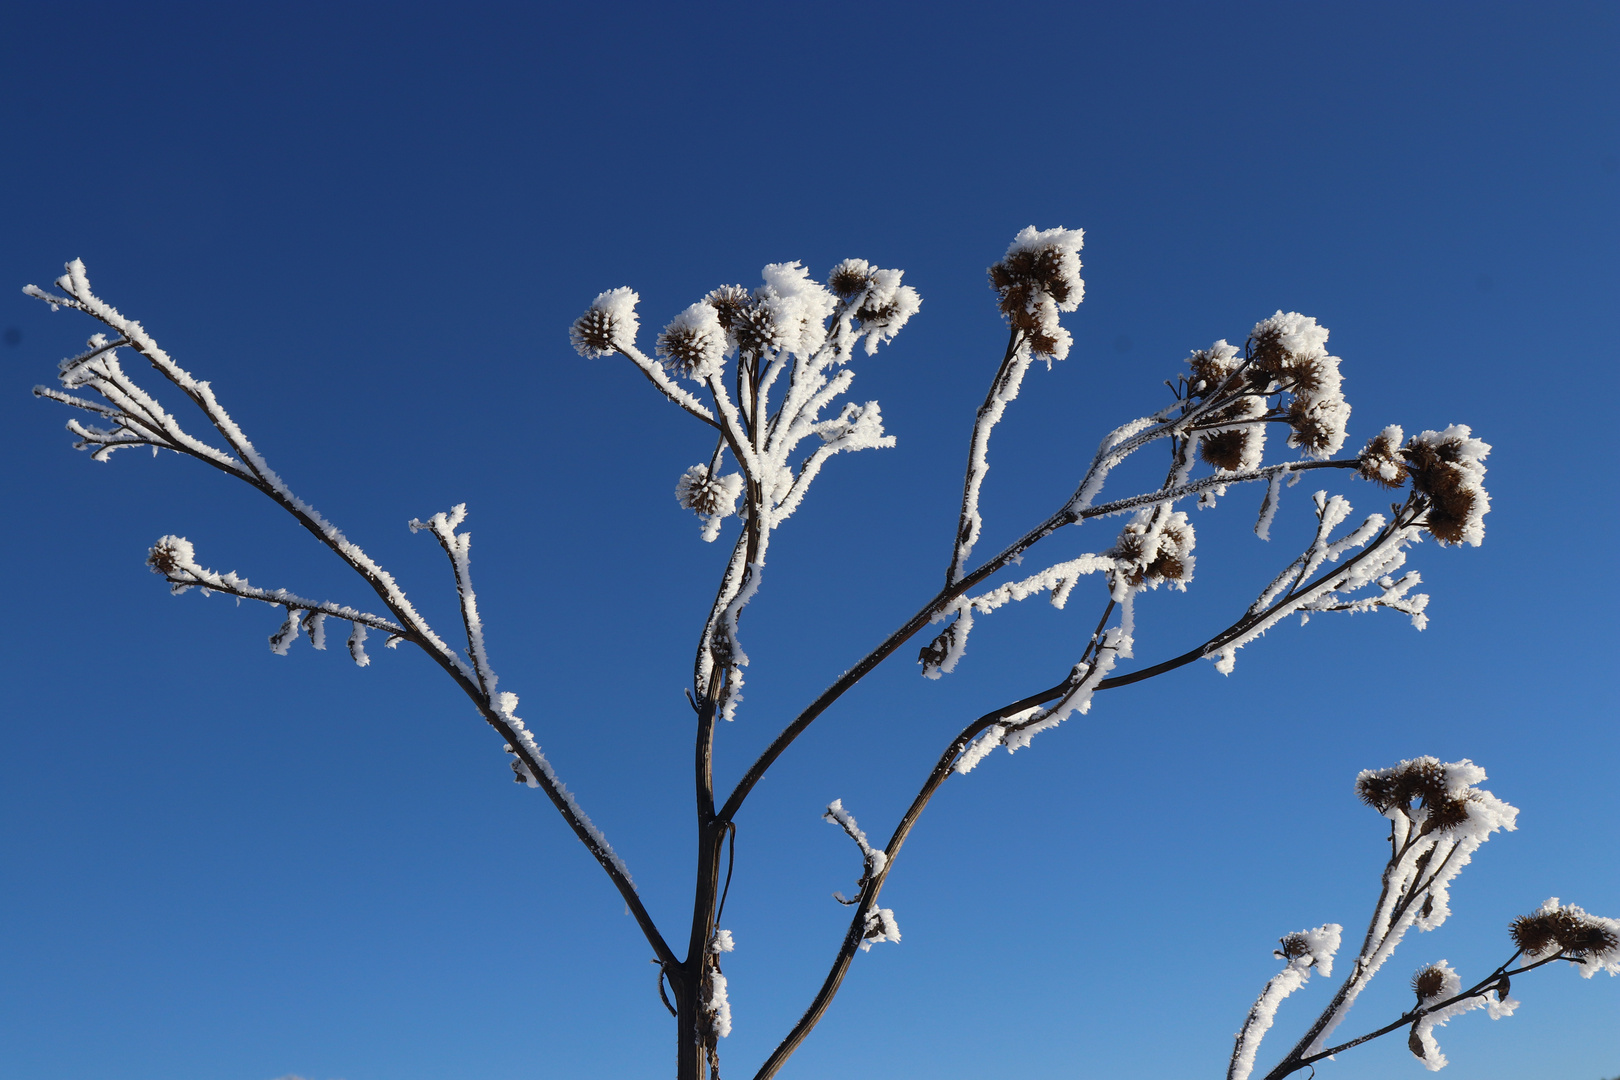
<point x="170" y="555"/>
<point x="694" y="342"/>
<point x="1381" y="461"/>
<point x="1225" y="449"/>
<point x="1038" y="278"/>
<point x="729" y="301"/>
<point x="1293" y="947"/>
<point x="1266" y="350"/>
<point x="884" y="305"/>
<point x="1152" y="550"/>
<point x="609" y="324"/>
<point x="1418" y="780"/>
<point x="1448" y="467"/>
<point x="1318" y="425"/>
<point x="1569" y="930"/>
<point x="849" y="277"/>
<point x="1210" y="368"/>
<point x="1428" y="982"/>
<point x="1445" y="813"/>
<point x="708" y="496"/>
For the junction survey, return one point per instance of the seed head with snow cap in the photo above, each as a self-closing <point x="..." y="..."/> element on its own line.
<point x="1038" y="278"/>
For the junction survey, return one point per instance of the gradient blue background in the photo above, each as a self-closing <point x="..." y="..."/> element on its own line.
<point x="371" y="227"/>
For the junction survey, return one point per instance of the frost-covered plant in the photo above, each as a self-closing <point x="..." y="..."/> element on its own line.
<point x="765" y="370"/>
<point x="1438" y="819"/>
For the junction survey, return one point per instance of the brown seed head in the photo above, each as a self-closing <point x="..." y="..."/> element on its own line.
<point x="848" y="278"/>
<point x="1422" y="780"/>
<point x="1208" y="373"/>
<point x="1567" y="930"/>
<point x="1309" y="430"/>
<point x="1293" y="947"/>
<point x="1428" y="982"/>
<point x="163" y="559"/>
<point x="1267" y="352"/>
<point x="594" y="330"/>
<point x="729" y="301"/>
<point x="1019" y="277"/>
<point x="1381" y="460"/>
<point x="1224" y="449"/>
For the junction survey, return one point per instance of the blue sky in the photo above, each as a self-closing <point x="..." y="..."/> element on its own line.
<point x="371" y="228"/>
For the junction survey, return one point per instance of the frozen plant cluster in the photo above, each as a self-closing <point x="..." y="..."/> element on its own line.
<point x="792" y="335"/>
<point x="764" y="373"/>
<point x="1438" y="817"/>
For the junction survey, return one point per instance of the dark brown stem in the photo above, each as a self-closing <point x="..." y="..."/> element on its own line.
<point x="874" y="884"/>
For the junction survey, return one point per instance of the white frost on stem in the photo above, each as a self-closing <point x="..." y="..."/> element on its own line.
<point x="1305" y="951"/>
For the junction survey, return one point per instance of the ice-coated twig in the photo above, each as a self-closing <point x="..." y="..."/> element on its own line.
<point x="874" y="859"/>
<point x="1003" y="392"/>
<point x="98" y="370"/>
<point x="174" y="558"/>
<point x="1304" y="951"/>
<point x="456" y="546"/>
<point x="1438" y="818"/>
<point x="941" y="656"/>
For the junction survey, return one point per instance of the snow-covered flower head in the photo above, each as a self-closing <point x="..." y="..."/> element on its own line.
<point x="1437" y="798"/>
<point x="881" y="304"/>
<point x="1566" y="929"/>
<point x="712" y="498"/>
<point x="1435" y="982"/>
<point x="608" y="325"/>
<point x="694" y="343"/>
<point x="787" y="314"/>
<point x="1240" y="443"/>
<point x="170" y="555"/>
<point x="1155" y="548"/>
<point x="1319" y="425"/>
<point x="1449" y="467"/>
<point x="1038" y="278"/>
<point x="1286" y="339"/>
<point x="1380" y="460"/>
<point x="1211" y="367"/>
<point x="1288" y="352"/>
<point x="1311" y="948"/>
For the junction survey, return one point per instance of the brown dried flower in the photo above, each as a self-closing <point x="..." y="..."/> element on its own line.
<point x="1293" y="947"/>
<point x="849" y="277"/>
<point x="1381" y="461"/>
<point x="1428" y="982"/>
<point x="1567" y="928"/>
<point x="1446" y="467"/>
<point x="729" y="302"/>
<point x="1224" y="449"/>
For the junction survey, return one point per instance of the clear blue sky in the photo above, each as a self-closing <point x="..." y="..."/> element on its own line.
<point x="371" y="227"/>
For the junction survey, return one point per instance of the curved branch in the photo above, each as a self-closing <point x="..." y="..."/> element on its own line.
<point x="874" y="885"/>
